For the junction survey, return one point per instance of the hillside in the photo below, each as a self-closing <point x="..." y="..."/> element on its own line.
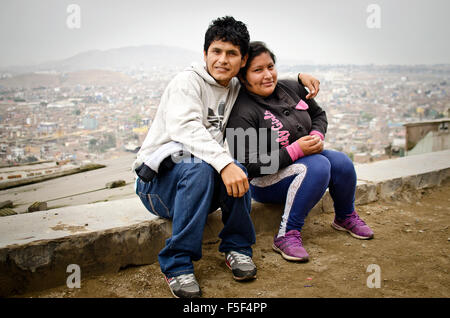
<point x="145" y="57"/>
<point x="84" y="78"/>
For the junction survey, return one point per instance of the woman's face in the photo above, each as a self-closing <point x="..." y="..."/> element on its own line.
<point x="261" y="75"/>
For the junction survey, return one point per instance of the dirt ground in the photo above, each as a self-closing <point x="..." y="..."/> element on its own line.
<point x="411" y="248"/>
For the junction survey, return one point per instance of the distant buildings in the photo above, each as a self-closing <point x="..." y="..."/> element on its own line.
<point x="47" y="128"/>
<point x="90" y="122"/>
<point x="367" y="107"/>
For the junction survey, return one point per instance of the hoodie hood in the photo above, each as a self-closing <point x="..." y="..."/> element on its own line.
<point x="200" y="69"/>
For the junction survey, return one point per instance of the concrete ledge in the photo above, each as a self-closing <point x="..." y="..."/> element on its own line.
<point x="36" y="248"/>
<point x="414" y="172"/>
<point x="24" y="178"/>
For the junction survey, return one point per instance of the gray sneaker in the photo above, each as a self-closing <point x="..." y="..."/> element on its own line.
<point x="241" y="265"/>
<point x="184" y="286"/>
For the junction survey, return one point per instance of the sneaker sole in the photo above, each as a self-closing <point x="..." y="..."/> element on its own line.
<point x="340" y="228"/>
<point x="240" y="278"/>
<point x="165" y="278"/>
<point x="288" y="257"/>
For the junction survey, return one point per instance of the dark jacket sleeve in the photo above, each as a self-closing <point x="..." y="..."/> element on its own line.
<point x="244" y="141"/>
<point x="317" y="114"/>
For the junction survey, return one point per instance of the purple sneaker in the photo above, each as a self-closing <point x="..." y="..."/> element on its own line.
<point x="353" y="225"/>
<point x="290" y="246"/>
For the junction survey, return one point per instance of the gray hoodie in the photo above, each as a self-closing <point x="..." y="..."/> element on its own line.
<point x="192" y="116"/>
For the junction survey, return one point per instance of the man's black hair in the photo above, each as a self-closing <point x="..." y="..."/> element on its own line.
<point x="227" y="29"/>
<point x="255" y="49"/>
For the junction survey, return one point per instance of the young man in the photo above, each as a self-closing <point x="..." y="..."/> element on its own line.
<point x="185" y="172"/>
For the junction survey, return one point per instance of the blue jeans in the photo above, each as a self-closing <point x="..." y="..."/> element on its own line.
<point x="186" y="194"/>
<point x="301" y="185"/>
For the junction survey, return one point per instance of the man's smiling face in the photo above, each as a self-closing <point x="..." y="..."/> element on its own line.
<point x="223" y="61"/>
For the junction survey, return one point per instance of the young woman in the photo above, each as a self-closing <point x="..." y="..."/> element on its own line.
<point x="304" y="169"/>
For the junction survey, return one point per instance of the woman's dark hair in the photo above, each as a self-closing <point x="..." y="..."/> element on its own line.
<point x="255" y="49"/>
<point x="227" y="29"/>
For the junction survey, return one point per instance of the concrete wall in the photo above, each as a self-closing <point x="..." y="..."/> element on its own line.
<point x="36" y="248"/>
<point x="433" y="141"/>
<point x="417" y="131"/>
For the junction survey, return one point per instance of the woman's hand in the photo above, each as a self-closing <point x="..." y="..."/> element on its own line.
<point x="310" y="145"/>
<point x="311" y="83"/>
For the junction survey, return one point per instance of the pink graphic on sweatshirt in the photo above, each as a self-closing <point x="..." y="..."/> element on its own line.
<point x="283" y="135"/>
<point x="302" y="105"/>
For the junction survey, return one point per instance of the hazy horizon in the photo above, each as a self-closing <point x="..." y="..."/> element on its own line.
<point x="321" y="32"/>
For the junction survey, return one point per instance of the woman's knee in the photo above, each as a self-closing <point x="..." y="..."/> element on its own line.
<point x="341" y="164"/>
<point x="319" y="168"/>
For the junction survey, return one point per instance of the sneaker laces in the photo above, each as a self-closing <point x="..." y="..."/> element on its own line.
<point x="186" y="279"/>
<point x="241" y="258"/>
<point x="354" y="219"/>
<point x="293" y="237"/>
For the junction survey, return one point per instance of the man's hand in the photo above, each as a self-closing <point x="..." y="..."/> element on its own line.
<point x="310" y="145"/>
<point x="235" y="180"/>
<point x="311" y="83"/>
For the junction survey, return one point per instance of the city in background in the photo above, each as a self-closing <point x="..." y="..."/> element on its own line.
<point x="384" y="71"/>
<point x="381" y="65"/>
<point x="90" y="115"/>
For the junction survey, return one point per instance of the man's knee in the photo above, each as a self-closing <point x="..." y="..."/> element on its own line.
<point x="241" y="166"/>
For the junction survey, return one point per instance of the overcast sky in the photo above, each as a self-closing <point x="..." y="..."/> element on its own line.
<point x="319" y="31"/>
